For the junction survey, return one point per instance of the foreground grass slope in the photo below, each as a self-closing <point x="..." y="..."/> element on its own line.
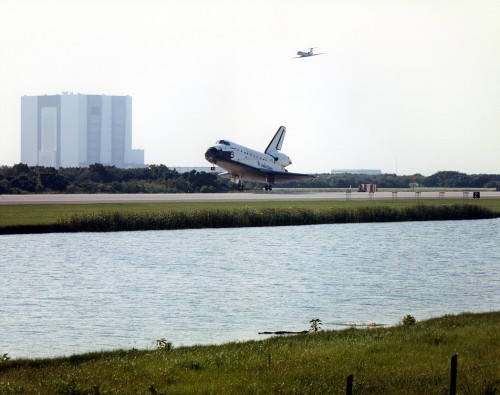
<point x="396" y="360"/>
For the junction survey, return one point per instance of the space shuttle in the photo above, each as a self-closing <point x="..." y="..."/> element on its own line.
<point x="245" y="164"/>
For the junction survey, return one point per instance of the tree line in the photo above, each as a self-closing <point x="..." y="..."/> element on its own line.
<point x="442" y="179"/>
<point x="98" y="178"/>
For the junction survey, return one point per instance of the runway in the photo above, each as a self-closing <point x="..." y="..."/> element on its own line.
<point x="236" y="197"/>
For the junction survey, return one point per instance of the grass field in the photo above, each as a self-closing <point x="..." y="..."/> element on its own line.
<point x="405" y="359"/>
<point x="49" y="214"/>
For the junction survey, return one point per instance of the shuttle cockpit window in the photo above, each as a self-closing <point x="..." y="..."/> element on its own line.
<point x="222" y="142"/>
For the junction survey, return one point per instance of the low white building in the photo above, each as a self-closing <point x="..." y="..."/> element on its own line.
<point x="357" y="171"/>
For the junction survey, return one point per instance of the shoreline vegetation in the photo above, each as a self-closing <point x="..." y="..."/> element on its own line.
<point x="249" y="216"/>
<point x="412" y="357"/>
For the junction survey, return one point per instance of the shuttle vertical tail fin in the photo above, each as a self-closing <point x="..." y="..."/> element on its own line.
<point x="277" y="141"/>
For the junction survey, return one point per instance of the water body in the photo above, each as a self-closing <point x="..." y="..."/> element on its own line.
<point x="71" y="293"/>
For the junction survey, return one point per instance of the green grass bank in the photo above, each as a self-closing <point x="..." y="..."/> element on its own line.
<point x="404" y="359"/>
<point x="160" y="216"/>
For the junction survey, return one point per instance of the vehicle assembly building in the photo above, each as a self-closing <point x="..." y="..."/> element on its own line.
<point x="75" y="130"/>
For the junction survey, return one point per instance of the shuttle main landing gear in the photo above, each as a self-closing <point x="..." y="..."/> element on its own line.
<point x="268" y="187"/>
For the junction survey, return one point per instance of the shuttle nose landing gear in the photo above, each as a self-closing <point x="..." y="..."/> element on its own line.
<point x="268" y="187"/>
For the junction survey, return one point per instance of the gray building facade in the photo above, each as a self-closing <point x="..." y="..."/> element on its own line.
<point x="75" y="130"/>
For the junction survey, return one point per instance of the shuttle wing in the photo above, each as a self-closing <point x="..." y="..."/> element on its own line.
<point x="280" y="177"/>
<point x="259" y="175"/>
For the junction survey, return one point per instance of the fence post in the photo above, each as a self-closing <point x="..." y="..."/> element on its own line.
<point x="453" y="375"/>
<point x="348" y="388"/>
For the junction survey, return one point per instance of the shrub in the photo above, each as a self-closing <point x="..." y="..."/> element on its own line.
<point x="163" y="344"/>
<point x="315" y="325"/>
<point x="408" y="320"/>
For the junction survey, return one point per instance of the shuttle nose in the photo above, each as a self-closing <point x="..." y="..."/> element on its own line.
<point x="211" y="155"/>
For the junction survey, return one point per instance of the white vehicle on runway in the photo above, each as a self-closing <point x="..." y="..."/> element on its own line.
<point x="245" y="164"/>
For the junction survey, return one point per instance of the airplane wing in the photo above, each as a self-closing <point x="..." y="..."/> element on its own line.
<point x="308" y="56"/>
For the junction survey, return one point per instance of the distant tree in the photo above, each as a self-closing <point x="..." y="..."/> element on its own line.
<point x="21" y="168"/>
<point x="4" y="186"/>
<point x="25" y="183"/>
<point x="99" y="173"/>
<point x="49" y="178"/>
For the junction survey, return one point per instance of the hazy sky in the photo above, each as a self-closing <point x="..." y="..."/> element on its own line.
<point x="406" y="86"/>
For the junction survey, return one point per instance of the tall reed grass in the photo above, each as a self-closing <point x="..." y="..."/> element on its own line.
<point x="110" y="221"/>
